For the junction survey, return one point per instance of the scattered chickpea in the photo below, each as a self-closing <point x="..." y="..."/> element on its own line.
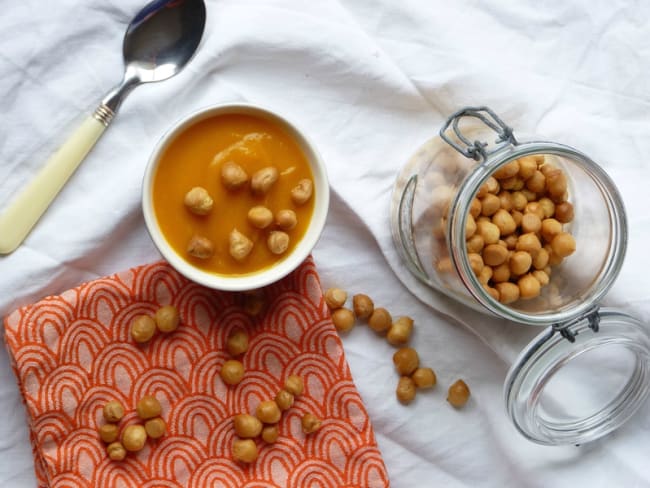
<point x="529" y="287"/>
<point x="270" y="433"/>
<point x="113" y="411"/>
<point x="200" y="247"/>
<point x="148" y="407"/>
<point x="233" y="176"/>
<point x="254" y="302"/>
<point x="167" y="318"/>
<point x="155" y="427"/>
<point x="400" y="332"/>
<point x="244" y="450"/>
<point x="198" y="201"/>
<point x="284" y="400"/>
<point x="237" y="342"/>
<point x="406" y="360"/>
<point x="286" y="219"/>
<point x="302" y="192"/>
<point x="240" y="246"/>
<point x="109" y="433"/>
<point x="405" y="390"/>
<point x="263" y="180"/>
<point x="232" y="372"/>
<point x="134" y="438"/>
<point x="278" y="242"/>
<point x="260" y="217"/>
<point x="247" y="426"/>
<point x="294" y="385"/>
<point x="268" y="412"/>
<point x="116" y="451"/>
<point x="335" y="298"/>
<point x="363" y="306"/>
<point x="458" y="394"/>
<point x="424" y="378"/>
<point x="143" y="328"/>
<point x="380" y="320"/>
<point x="343" y="319"/>
<point x="563" y="244"/>
<point x="310" y="423"/>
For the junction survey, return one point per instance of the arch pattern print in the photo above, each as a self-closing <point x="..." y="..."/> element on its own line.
<point x="72" y="353"/>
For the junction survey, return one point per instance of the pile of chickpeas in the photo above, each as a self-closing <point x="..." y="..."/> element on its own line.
<point x="143" y="327"/>
<point x="398" y="332"/>
<point x="233" y="178"/>
<point x="515" y="230"/>
<point x="133" y="436"/>
<point x="265" y="422"/>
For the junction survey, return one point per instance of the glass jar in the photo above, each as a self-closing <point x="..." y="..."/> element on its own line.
<point x="555" y="391"/>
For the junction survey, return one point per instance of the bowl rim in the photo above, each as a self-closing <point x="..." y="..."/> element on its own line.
<point x="274" y="272"/>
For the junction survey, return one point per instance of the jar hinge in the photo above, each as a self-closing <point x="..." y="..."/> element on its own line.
<point x="477" y="150"/>
<point x="564" y="328"/>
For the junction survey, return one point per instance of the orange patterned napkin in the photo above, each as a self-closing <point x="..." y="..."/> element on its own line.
<point x="73" y="353"/>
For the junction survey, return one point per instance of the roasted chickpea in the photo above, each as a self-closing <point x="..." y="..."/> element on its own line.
<point x="167" y="318"/>
<point x="564" y="212"/>
<point x="109" y="433"/>
<point x="541" y="276"/>
<point x="534" y="208"/>
<point x="517" y="216"/>
<point x="485" y="275"/>
<point x="237" y="342"/>
<point x="527" y="166"/>
<point x="286" y="219"/>
<point x="476" y="262"/>
<point x="244" y="450"/>
<point x="268" y="412"/>
<point x="200" y="247"/>
<point x="424" y="378"/>
<point x="529" y="287"/>
<point x="530" y="222"/>
<point x="148" y="407"/>
<point x="405" y="390"/>
<point x="529" y="243"/>
<point x="495" y="254"/>
<point x="247" y="426"/>
<point x="278" y="242"/>
<point x="511" y="241"/>
<point x="556" y="183"/>
<point x="301" y="193"/>
<point x="507" y="170"/>
<point x="475" y="244"/>
<point x="335" y="298"/>
<point x="198" y="201"/>
<point x="531" y="196"/>
<point x="550" y="228"/>
<point x="143" y="328"/>
<point x="488" y="231"/>
<point x="519" y="201"/>
<point x="547" y="168"/>
<point x="493" y="292"/>
<point x="513" y="183"/>
<point x="116" y="451"/>
<point x="400" y="331"/>
<point x="520" y="262"/>
<point x="537" y="182"/>
<point x="232" y="372"/>
<point x="508" y="292"/>
<point x="134" y="438"/>
<point x="270" y="433"/>
<point x="294" y="385"/>
<point x="233" y="176"/>
<point x="492" y="185"/>
<point x="540" y="261"/>
<point x="470" y="226"/>
<point x="263" y="180"/>
<point x="363" y="306"/>
<point x="504" y="221"/>
<point x="113" y="411"/>
<point x="406" y="360"/>
<point x="505" y="197"/>
<point x="155" y="428"/>
<point x="380" y="320"/>
<point x="548" y="207"/>
<point x="343" y="319"/>
<point x="501" y="273"/>
<point x="458" y="394"/>
<point x="284" y="400"/>
<point x="490" y="204"/>
<point x="240" y="246"/>
<point x="310" y="423"/>
<point x="475" y="207"/>
<point x="260" y="217"/>
<point x="563" y="244"/>
<point x="554" y="259"/>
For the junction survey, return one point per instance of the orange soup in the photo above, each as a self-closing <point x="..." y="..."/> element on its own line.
<point x="195" y="159"/>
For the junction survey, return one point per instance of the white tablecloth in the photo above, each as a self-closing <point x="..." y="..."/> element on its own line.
<point x="368" y="81"/>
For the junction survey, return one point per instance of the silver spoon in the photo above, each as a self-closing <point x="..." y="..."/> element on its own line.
<point x="158" y="43"/>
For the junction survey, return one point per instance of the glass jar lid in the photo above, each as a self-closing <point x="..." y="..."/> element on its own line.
<point x="578" y="381"/>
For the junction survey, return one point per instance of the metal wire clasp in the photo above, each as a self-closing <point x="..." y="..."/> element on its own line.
<point x="564" y="328"/>
<point x="477" y="150"/>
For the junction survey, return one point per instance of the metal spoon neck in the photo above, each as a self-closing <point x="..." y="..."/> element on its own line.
<point x="112" y="101"/>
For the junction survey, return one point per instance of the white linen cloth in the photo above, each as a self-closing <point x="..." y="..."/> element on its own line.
<point x="368" y="81"/>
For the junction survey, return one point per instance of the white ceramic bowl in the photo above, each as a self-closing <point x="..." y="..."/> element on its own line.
<point x="267" y="275"/>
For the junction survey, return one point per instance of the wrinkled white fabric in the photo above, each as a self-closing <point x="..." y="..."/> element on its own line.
<point x="368" y="81"/>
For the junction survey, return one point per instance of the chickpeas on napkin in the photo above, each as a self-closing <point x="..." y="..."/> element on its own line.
<point x="73" y="353"/>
